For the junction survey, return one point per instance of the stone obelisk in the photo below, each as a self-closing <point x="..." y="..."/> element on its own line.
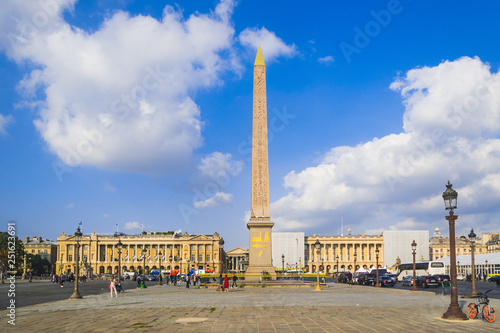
<point x="260" y="251"/>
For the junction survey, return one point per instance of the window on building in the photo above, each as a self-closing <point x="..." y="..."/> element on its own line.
<point x="200" y="258"/>
<point x="208" y="247"/>
<point x="71" y="247"/>
<point x="85" y="247"/>
<point x="200" y="247"/>
<point x="208" y="257"/>
<point x="193" y="258"/>
<point x="32" y="251"/>
<point x="84" y="258"/>
<point x="193" y="248"/>
<point x="70" y="257"/>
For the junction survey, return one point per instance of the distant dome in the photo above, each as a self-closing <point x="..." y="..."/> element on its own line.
<point x="437" y="234"/>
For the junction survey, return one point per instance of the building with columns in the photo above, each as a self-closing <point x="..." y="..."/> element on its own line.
<point x="98" y="254"/>
<point x="345" y="247"/>
<point x="439" y="246"/>
<point x="237" y="259"/>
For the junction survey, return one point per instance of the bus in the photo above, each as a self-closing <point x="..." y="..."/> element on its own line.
<point x="421" y="268"/>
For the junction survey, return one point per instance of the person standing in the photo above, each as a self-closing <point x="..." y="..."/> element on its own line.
<point x="226" y="283"/>
<point x="187" y="281"/>
<point x="112" y="287"/>
<point x="138" y="279"/>
<point x="235" y="278"/>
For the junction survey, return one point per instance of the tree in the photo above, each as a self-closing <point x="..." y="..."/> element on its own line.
<point x="18" y="252"/>
<point x="38" y="265"/>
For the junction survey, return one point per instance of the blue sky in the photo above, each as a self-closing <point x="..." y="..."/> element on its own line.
<point x="139" y="112"/>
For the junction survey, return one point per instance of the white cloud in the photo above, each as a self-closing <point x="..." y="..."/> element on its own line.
<point x="326" y="60"/>
<point x="451" y="129"/>
<point x="220" y="199"/>
<point x="271" y="45"/>
<point x="132" y="225"/>
<point x="105" y="215"/>
<point x="217" y="164"/>
<point x="108" y="187"/>
<point x="4" y="121"/>
<point x="69" y="206"/>
<point x="119" y="98"/>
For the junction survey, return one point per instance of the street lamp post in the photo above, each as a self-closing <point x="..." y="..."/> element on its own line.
<point x="78" y="237"/>
<point x="120" y="246"/>
<point x="472" y="239"/>
<point x="318" y="248"/>
<point x="487" y="271"/>
<point x="376" y="257"/>
<point x="450" y="200"/>
<point x="24" y="267"/>
<point x="414" y="251"/>
<point x="159" y="269"/>
<point x="144" y="252"/>
<point x="283" y="265"/>
<point x="355" y="255"/>
<point x="337" y="268"/>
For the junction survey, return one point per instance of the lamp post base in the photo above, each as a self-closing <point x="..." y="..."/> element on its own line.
<point x="454" y="313"/>
<point x="414" y="288"/>
<point x="317" y="288"/>
<point x="76" y="295"/>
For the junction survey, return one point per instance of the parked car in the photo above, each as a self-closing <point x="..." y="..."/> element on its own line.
<point x="393" y="276"/>
<point x="407" y="281"/>
<point x="385" y="281"/>
<point x="345" y="277"/>
<point x="366" y="279"/>
<point x="426" y="281"/>
<point x="495" y="278"/>
<point x="151" y="277"/>
<point x="443" y="279"/>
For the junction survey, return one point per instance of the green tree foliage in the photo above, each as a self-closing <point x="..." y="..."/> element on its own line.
<point x="18" y="252"/>
<point x="37" y="264"/>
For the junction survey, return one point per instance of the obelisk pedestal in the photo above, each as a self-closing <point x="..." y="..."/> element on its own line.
<point x="260" y="224"/>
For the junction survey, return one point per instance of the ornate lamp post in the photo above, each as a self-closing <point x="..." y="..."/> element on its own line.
<point x="376" y="257"/>
<point x="318" y="248"/>
<point x="119" y="245"/>
<point x="355" y="255"/>
<point x="337" y="268"/>
<point x="283" y="264"/>
<point x="144" y="252"/>
<point x="78" y="238"/>
<point x="487" y="271"/>
<point x="472" y="239"/>
<point x="450" y="201"/>
<point x="24" y="267"/>
<point x="60" y="266"/>
<point x="159" y="274"/>
<point x="414" y="251"/>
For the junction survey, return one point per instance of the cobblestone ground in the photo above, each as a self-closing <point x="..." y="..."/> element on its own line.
<point x="339" y="308"/>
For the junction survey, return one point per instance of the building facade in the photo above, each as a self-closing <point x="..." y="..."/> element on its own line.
<point x="45" y="248"/>
<point x="397" y="244"/>
<point x="361" y="247"/>
<point x="288" y="249"/>
<point x="237" y="259"/>
<point x="99" y="254"/>
<point x="439" y="246"/>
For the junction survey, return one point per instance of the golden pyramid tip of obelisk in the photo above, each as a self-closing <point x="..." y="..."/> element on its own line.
<point x="259" y="59"/>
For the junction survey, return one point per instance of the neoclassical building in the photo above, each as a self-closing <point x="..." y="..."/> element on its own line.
<point x="98" y="254"/>
<point x="237" y="259"/>
<point x="439" y="246"/>
<point x="346" y="248"/>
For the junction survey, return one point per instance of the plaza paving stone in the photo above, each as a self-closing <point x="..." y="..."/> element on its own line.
<point x="338" y="308"/>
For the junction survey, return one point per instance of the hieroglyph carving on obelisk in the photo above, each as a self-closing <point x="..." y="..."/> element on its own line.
<point x="260" y="173"/>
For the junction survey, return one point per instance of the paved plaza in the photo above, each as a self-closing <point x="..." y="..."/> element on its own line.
<point x="338" y="308"/>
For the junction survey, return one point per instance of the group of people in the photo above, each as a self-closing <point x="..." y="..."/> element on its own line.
<point x="224" y="282"/>
<point x="115" y="286"/>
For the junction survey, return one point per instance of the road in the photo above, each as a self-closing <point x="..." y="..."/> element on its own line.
<point x="44" y="291"/>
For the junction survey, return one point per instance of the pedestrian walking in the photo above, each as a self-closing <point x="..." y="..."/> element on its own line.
<point x="235" y="278"/>
<point x="226" y="283"/>
<point x="112" y="287"/>
<point x="138" y="281"/>
<point x="187" y="281"/>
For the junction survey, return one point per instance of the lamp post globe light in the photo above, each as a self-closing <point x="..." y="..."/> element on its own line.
<point x="450" y="201"/>
<point x="376" y="267"/>
<point x="337" y="268"/>
<point x="119" y="245"/>
<point x="144" y="252"/>
<point x="159" y="269"/>
<point x="472" y="240"/>
<point x="414" y="251"/>
<point x="317" y="245"/>
<point x="78" y="238"/>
